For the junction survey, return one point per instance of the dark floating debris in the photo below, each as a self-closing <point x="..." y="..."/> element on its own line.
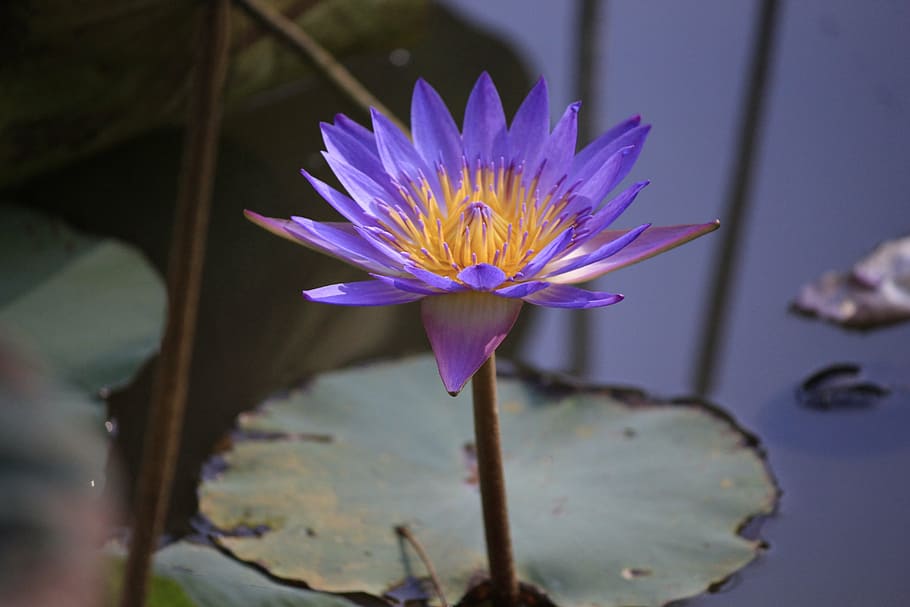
<point x="840" y="386"/>
<point x="875" y="292"/>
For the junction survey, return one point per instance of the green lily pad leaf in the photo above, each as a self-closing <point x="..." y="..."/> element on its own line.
<point x="192" y="575"/>
<point x="615" y="499"/>
<point x="92" y="310"/>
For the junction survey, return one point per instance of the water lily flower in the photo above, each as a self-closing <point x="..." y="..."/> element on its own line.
<point x="476" y="223"/>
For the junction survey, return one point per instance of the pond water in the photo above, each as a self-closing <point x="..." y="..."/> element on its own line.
<point x="831" y="181"/>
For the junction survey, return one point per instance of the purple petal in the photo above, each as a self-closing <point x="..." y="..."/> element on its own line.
<point x="598" y="184"/>
<point x="407" y="284"/>
<point x="341" y="240"/>
<point x="559" y="150"/>
<point x="377" y="238"/>
<point x="273" y="225"/>
<point x="440" y="283"/>
<point x="364" y="191"/>
<point x="589" y="171"/>
<point x="542" y="258"/>
<point x="358" y="131"/>
<point x="606" y="249"/>
<point x="522" y="289"/>
<point x="354" y="152"/>
<point x="484" y="133"/>
<point x="336" y="239"/>
<point x="436" y="136"/>
<point x="613" y="209"/>
<point x="464" y="329"/>
<point x="482" y="277"/>
<point x="564" y="296"/>
<point x="652" y="241"/>
<point x="397" y="152"/>
<point x="584" y="156"/>
<point x="531" y="126"/>
<point x="366" y="293"/>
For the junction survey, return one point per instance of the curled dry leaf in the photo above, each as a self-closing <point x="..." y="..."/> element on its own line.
<point x="873" y="293"/>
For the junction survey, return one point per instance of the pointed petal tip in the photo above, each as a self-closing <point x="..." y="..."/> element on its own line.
<point x="273" y="225"/>
<point x="464" y="329"/>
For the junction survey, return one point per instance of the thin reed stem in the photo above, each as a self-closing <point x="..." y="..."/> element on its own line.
<point x="187" y="254"/>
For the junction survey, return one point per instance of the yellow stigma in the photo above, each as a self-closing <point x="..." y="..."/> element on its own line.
<point x="486" y="216"/>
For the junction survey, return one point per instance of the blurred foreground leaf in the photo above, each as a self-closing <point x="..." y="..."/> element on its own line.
<point x="191" y="575"/>
<point x="92" y="310"/>
<point x="615" y="499"/>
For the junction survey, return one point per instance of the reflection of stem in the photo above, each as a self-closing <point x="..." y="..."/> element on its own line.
<point x="737" y="200"/>
<point x="318" y="57"/>
<point x="403" y="531"/>
<point x="586" y="90"/>
<point x="493" y="486"/>
<point x="187" y="253"/>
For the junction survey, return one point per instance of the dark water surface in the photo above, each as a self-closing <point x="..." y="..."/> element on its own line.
<point x="831" y="181"/>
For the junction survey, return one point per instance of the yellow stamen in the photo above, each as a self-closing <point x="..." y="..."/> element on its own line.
<point x="486" y="216"/>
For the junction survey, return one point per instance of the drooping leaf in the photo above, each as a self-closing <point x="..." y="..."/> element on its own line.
<point x="193" y="575"/>
<point x="875" y="292"/>
<point x="80" y="76"/>
<point x="615" y="499"/>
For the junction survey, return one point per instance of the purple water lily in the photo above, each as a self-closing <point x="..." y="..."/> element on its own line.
<point x="475" y="223"/>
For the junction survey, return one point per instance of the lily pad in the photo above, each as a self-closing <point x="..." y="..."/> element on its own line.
<point x="615" y="499"/>
<point x="192" y="575"/>
<point x="91" y="309"/>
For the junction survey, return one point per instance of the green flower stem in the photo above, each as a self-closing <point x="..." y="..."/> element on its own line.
<point x="503" y="582"/>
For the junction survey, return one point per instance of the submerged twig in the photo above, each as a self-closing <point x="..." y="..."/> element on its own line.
<point x="187" y="253"/>
<point x="492" y="482"/>
<point x="404" y="532"/>
<point x="737" y="200"/>
<point x="319" y="57"/>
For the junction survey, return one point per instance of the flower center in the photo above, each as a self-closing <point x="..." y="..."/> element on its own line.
<point x="487" y="215"/>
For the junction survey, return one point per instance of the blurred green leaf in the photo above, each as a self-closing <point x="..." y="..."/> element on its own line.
<point x="191" y="575"/>
<point x="90" y="309"/>
<point x="615" y="499"/>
